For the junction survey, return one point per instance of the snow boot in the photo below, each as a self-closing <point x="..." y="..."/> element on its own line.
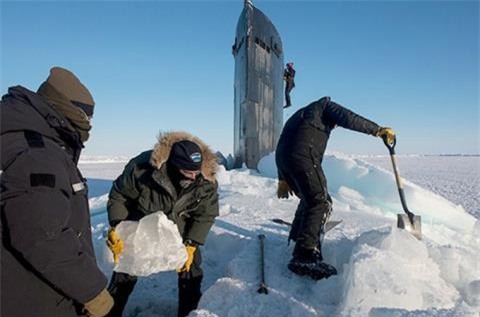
<point x="309" y="262"/>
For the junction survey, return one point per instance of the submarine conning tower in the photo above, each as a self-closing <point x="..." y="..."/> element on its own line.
<point x="258" y="87"/>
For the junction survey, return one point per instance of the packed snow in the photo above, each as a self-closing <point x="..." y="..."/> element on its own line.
<point x="453" y="177"/>
<point x="383" y="271"/>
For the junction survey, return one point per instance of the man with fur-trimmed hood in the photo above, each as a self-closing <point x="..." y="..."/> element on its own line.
<point x="178" y="178"/>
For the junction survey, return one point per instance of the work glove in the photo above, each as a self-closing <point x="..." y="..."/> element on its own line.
<point x="190" y="252"/>
<point x="115" y="244"/>
<point x="100" y="305"/>
<point x="283" y="189"/>
<point x="387" y="134"/>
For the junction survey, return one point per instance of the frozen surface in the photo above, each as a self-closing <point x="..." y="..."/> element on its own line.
<point x="456" y="178"/>
<point x="383" y="271"/>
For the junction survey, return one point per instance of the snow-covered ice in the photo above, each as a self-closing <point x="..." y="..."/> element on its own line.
<point x="453" y="177"/>
<point x="383" y="271"/>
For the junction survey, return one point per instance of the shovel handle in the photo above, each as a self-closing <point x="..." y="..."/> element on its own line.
<point x="391" y="149"/>
<point x="263" y="287"/>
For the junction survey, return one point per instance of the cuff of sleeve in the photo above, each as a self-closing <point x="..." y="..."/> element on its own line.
<point x="190" y="242"/>
<point x="114" y="223"/>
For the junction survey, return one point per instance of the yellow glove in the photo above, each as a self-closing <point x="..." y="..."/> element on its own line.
<point x="115" y="244"/>
<point x="190" y="252"/>
<point x="100" y="305"/>
<point x="283" y="189"/>
<point x="387" y="133"/>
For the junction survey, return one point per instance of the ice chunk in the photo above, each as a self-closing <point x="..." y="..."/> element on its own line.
<point x="151" y="245"/>
<point x="472" y="293"/>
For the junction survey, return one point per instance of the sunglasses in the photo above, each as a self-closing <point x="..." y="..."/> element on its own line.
<point x="88" y="109"/>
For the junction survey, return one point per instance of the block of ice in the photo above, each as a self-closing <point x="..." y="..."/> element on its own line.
<point x="151" y="245"/>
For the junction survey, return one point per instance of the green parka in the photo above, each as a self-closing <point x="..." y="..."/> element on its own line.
<point x="144" y="187"/>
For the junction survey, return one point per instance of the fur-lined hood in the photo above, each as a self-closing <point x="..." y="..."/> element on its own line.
<point x="161" y="152"/>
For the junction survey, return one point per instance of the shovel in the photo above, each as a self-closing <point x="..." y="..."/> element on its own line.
<point x="409" y="221"/>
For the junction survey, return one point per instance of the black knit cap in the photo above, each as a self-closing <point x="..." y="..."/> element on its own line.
<point x="186" y="155"/>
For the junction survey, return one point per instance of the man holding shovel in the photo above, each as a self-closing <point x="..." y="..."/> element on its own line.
<point x="299" y="157"/>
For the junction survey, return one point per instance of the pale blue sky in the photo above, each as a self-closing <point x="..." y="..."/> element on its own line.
<point x="167" y="65"/>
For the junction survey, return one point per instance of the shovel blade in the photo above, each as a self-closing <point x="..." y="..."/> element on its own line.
<point x="403" y="222"/>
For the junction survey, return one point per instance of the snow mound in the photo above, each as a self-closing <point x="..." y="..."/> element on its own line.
<point x="382" y="270"/>
<point x="378" y="187"/>
<point x="397" y="265"/>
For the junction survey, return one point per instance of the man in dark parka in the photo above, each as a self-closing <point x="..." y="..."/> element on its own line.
<point x="48" y="266"/>
<point x="178" y="178"/>
<point x="299" y="157"/>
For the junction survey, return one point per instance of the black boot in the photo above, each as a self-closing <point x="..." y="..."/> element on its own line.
<point x="309" y="262"/>
<point x="189" y="294"/>
<point x="121" y="286"/>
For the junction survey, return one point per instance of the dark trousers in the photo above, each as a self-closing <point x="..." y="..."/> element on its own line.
<point x="120" y="287"/>
<point x="305" y="176"/>
<point x="288" y="89"/>
<point x="189" y="289"/>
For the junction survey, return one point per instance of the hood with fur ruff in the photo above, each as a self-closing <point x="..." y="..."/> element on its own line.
<point x="162" y="148"/>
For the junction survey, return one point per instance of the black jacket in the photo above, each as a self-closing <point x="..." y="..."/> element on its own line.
<point x="307" y="131"/>
<point x="48" y="264"/>
<point x="289" y="77"/>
